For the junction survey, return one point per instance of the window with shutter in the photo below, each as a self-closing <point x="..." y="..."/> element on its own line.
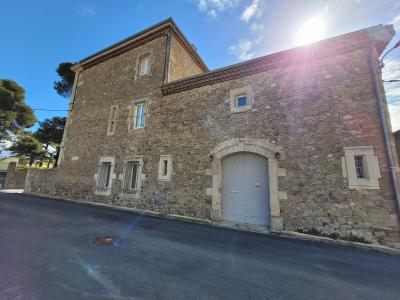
<point x="131" y="176"/>
<point x="104" y="176"/>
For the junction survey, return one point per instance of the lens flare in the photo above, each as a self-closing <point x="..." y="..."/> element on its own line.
<point x="311" y="31"/>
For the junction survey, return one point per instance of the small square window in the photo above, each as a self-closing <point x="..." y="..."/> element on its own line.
<point x="361" y="167"/>
<point x="241" y="101"/>
<point x="165" y="168"/>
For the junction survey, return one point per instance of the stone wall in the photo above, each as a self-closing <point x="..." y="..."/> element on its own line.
<point x="41" y="182"/>
<point x="181" y="65"/>
<point x="15" y="177"/>
<point x="310" y="110"/>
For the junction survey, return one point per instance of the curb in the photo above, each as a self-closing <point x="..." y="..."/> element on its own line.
<point x="126" y="209"/>
<point x="282" y="234"/>
<point x="314" y="238"/>
<point x="326" y="240"/>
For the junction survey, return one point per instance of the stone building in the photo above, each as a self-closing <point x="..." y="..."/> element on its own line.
<point x="290" y="141"/>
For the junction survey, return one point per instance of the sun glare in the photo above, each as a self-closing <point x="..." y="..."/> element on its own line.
<point x="311" y="31"/>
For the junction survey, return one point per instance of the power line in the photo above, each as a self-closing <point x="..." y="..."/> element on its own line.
<point x="50" y="109"/>
<point x="390" y="70"/>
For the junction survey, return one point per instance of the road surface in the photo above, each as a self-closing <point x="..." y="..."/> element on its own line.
<point x="47" y="252"/>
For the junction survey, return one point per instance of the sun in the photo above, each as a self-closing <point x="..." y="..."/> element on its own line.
<point x="311" y="31"/>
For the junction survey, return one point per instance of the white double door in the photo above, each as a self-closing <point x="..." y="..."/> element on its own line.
<point x="245" y="189"/>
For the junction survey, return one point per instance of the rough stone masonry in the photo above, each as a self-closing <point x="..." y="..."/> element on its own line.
<point x="310" y="112"/>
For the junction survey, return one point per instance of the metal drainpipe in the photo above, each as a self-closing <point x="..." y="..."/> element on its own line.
<point x="382" y="117"/>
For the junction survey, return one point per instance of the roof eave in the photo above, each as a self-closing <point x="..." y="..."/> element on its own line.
<point x="378" y="36"/>
<point x="167" y="24"/>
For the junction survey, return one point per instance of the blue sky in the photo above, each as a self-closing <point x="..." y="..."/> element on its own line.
<point x="38" y="35"/>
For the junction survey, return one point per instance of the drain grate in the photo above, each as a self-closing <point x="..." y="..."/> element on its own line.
<point x="107" y="240"/>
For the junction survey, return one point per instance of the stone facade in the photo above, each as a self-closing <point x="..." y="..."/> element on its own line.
<point x="15" y="177"/>
<point x="181" y="64"/>
<point x="41" y="182"/>
<point x="305" y="109"/>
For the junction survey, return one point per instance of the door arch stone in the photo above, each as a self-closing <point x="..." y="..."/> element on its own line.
<point x="262" y="147"/>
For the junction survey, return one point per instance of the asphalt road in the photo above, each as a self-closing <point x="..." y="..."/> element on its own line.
<point x="47" y="252"/>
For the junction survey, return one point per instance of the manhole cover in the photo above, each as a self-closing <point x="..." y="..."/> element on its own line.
<point x="107" y="240"/>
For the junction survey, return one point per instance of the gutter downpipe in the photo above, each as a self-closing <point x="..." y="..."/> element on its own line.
<point x="167" y="58"/>
<point x="383" y="120"/>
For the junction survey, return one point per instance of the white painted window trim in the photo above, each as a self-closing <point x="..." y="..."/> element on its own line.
<point x="132" y="114"/>
<point x="242" y="91"/>
<point x="112" y="119"/>
<point x="370" y="168"/>
<point x="141" y="177"/>
<point x="168" y="159"/>
<point x="112" y="175"/>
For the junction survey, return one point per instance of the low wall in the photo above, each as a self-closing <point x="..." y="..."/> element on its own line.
<point x="15" y="177"/>
<point x="41" y="182"/>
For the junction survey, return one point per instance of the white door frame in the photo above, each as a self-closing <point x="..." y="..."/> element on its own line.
<point x="262" y="147"/>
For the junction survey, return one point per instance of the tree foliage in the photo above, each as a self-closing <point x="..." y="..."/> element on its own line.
<point x="50" y="133"/>
<point x="15" y="114"/>
<point x="27" y="146"/>
<point x="43" y="145"/>
<point x="63" y="86"/>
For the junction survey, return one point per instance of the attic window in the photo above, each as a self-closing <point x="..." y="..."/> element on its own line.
<point x="241" y="101"/>
<point x="144" y="65"/>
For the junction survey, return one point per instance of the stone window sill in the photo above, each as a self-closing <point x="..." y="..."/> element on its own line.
<point x="139" y="77"/>
<point x="103" y="193"/>
<point x="241" y="110"/>
<point x="128" y="195"/>
<point x="137" y="130"/>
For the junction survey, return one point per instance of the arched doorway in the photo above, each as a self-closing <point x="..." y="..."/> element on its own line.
<point x="262" y="148"/>
<point x="245" y="188"/>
